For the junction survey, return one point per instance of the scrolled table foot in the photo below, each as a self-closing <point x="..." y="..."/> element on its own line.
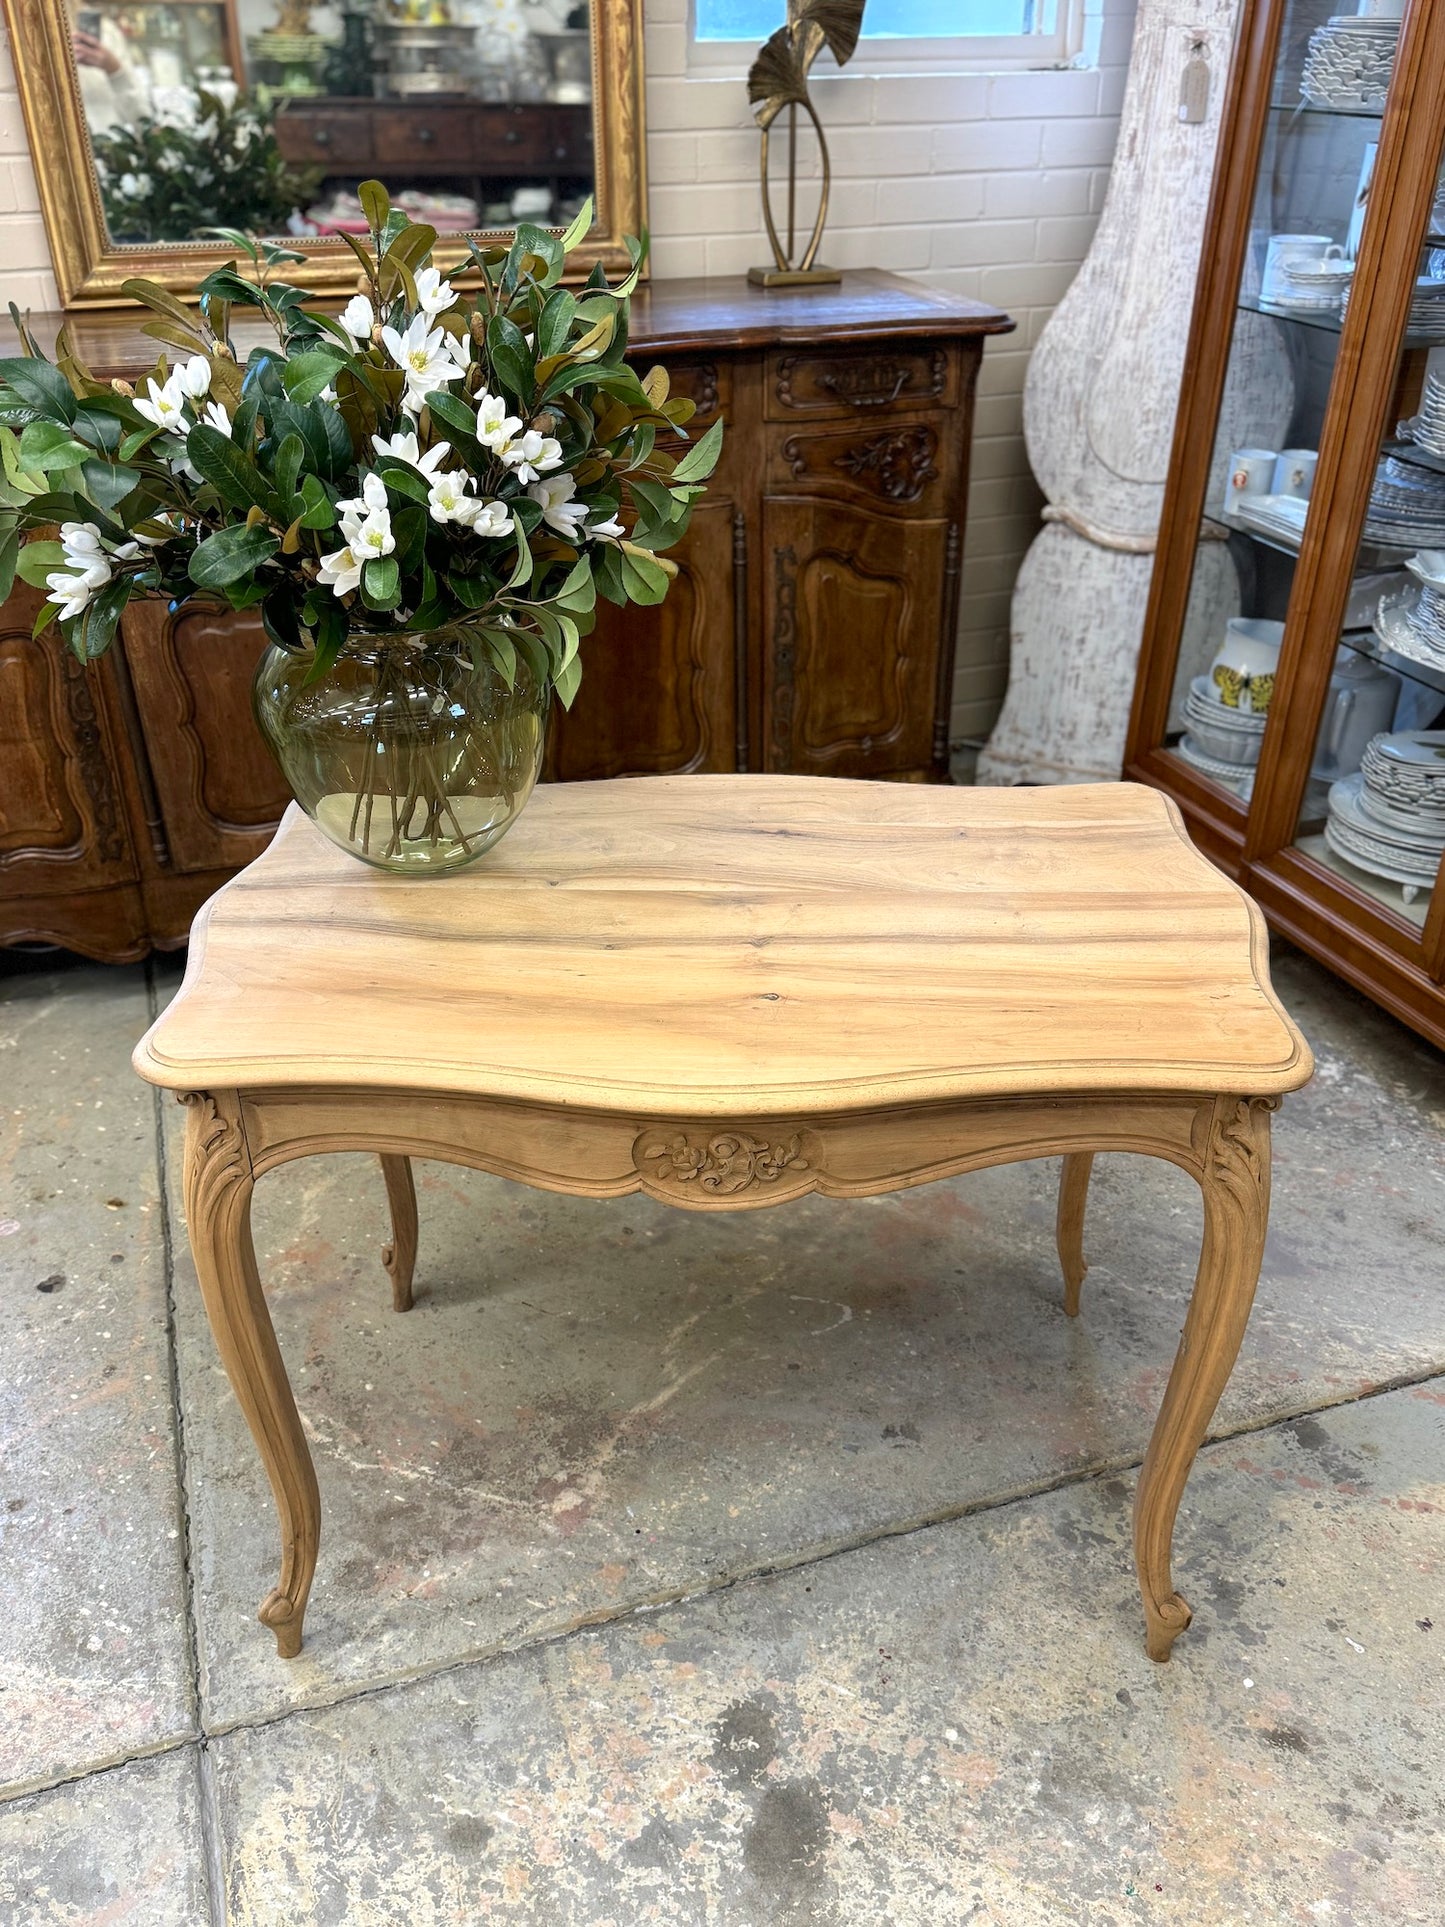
<point x="1164" y="1621"/>
<point x="399" y="1257"/>
<point x="280" y="1613"/>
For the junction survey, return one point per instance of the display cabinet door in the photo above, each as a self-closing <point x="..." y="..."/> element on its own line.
<point x="62" y="817"/>
<point x="221" y="794"/>
<point x="854" y="607"/>
<point x="658" y="685"/>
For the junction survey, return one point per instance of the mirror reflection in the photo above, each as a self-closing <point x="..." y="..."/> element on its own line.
<point x="267" y="114"/>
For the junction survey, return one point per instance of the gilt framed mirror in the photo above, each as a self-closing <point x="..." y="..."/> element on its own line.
<point x="151" y="122"/>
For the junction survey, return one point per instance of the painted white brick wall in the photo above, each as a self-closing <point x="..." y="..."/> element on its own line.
<point x="988" y="185"/>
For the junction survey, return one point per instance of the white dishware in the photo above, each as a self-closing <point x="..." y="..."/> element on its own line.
<point x="1408" y="767"/>
<point x="1285" y="251"/>
<point x="1349" y="62"/>
<point x="1251" y="472"/>
<point x="1244" y="667"/>
<point x="1359" y="705"/>
<point x="1294" y="472"/>
<point x="1279" y="517"/>
<point x="1219" y="769"/>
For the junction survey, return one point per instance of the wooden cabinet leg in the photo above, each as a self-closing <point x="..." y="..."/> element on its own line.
<point x="1234" y="1178"/>
<point x="399" y="1256"/>
<point x="1069" y="1225"/>
<point x="218" y="1185"/>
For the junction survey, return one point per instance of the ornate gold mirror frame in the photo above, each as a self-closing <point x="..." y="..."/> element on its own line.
<point x="90" y="268"/>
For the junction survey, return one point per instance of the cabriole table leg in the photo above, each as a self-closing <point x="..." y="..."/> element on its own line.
<point x="399" y="1256"/>
<point x="1233" y="1175"/>
<point x="1069" y="1225"/>
<point x="218" y="1186"/>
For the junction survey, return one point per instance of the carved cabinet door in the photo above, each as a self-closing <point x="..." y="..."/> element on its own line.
<point x="853" y="618"/>
<point x="220" y="792"/>
<point x="658" y="685"/>
<point x="63" y="825"/>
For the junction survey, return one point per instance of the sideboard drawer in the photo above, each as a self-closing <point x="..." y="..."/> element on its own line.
<point x="902" y="463"/>
<point x="867" y="381"/>
<point x="425" y="134"/>
<point x="312" y="136"/>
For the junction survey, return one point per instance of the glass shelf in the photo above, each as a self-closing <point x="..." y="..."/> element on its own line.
<point x="1294" y="107"/>
<point x="1383" y="558"/>
<point x="1365" y="642"/>
<point x="1330" y="324"/>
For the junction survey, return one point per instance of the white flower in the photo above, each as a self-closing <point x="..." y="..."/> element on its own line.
<point x="451" y="499"/>
<point x="492" y="519"/>
<point x="424" y="357"/>
<point x="135" y="187"/>
<point x="531" y="454"/>
<point x="75" y="593"/>
<point x="405" y="448"/>
<point x="82" y="544"/>
<point x="495" y="427"/>
<point x="559" y="511"/>
<point x="341" y="572"/>
<point x="434" y="294"/>
<point x="605" y="531"/>
<point x="366" y="522"/>
<point x="358" y="318"/>
<point x="165" y="406"/>
<point x="194" y="377"/>
<point x="371" y="501"/>
<point x="218" y="417"/>
<point x="328" y="393"/>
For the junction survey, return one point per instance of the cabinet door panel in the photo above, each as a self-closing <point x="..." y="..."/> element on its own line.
<point x="220" y="792"/>
<point x="62" y="819"/>
<point x="854" y="610"/>
<point x="657" y="693"/>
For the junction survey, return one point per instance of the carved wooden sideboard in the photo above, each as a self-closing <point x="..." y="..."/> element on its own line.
<point x="811" y="628"/>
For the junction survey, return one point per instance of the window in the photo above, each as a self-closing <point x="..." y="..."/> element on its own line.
<point x="905" y="35"/>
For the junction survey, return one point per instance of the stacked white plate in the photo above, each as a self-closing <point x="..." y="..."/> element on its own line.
<point x="1350" y="61"/>
<point x="1388" y="819"/>
<point x="1427" y="308"/>
<point x="1412" y="624"/>
<point x="1220" y="741"/>
<point x="1407" y="507"/>
<point x="1279" y="517"/>
<point x="1426" y="428"/>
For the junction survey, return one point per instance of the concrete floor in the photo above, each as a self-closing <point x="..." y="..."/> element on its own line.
<point x="754" y="1570"/>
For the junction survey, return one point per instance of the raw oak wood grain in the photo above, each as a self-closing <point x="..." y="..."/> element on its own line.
<point x="728" y="992"/>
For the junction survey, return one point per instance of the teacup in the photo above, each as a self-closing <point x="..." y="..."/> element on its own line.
<point x="1243" y="671"/>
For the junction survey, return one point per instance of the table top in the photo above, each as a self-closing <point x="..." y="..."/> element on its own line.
<point x="742" y="946"/>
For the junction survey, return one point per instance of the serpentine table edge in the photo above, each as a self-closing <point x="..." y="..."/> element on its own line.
<point x="757" y="879"/>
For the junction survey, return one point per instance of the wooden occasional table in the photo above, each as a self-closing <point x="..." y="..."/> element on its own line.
<point x="728" y="991"/>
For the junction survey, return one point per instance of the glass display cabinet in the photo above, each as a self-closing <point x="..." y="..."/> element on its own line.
<point x="1291" y="689"/>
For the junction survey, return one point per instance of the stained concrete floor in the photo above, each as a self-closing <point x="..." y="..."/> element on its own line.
<point x="755" y="1571"/>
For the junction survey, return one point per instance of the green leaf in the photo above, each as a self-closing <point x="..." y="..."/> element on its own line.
<point x="230" y="554"/>
<point x="39" y="385"/>
<point x="643" y="579"/>
<point x="701" y="459"/>
<point x="472" y="591"/>
<point x="510" y="358"/>
<point x="133" y="444"/>
<point x="45" y="446"/>
<point x="607" y="572"/>
<point x="579" y="591"/>
<point x="380" y="583"/>
<point x="581" y="226"/>
<point x="555" y="323"/>
<point x="9" y="556"/>
<point x="245" y="595"/>
<point x="523" y="571"/>
<point x="375" y="204"/>
<point x="566" y="681"/>
<point x="306" y="375"/>
<point x="38" y="560"/>
<point x="395" y="225"/>
<point x="403" y="480"/>
<point x="655" y="498"/>
<point x="286" y="466"/>
<point x="230" y="470"/>
<point x="106" y="484"/>
<point x="530" y="239"/>
<point x="409" y="527"/>
<point x="279" y="620"/>
<point x="331" y="628"/>
<point x="320" y="510"/>
<point x="503" y="652"/>
<point x="92" y="632"/>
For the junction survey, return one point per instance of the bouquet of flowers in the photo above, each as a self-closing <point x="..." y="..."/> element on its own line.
<point x="457" y="473"/>
<point x="200" y="158"/>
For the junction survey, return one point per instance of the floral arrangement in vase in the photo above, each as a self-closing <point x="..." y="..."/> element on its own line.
<point x="422" y="499"/>
<point x="202" y="157"/>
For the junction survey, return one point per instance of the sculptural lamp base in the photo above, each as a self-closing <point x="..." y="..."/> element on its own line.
<point x="815" y="277"/>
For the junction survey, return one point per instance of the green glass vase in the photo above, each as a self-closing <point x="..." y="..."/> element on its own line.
<point x="411" y="752"/>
